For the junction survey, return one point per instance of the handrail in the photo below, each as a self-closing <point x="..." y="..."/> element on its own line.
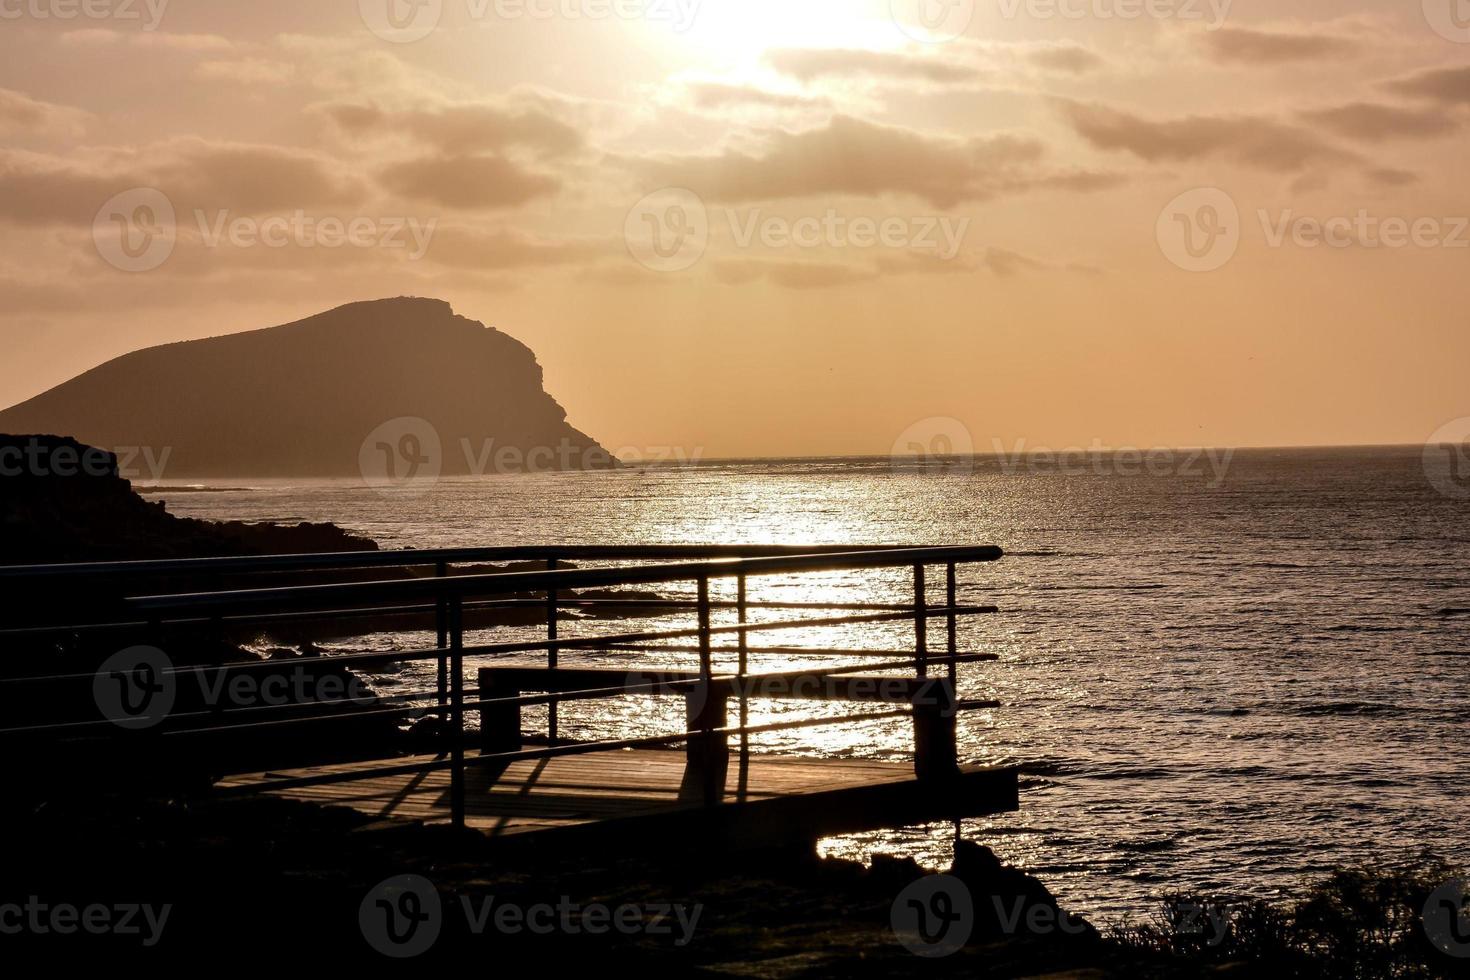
<point x="449" y="596"/>
<point x="414" y="557"/>
<point x="462" y="586"/>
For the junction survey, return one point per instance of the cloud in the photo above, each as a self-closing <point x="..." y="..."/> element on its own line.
<point x="909" y="262"/>
<point x="247" y="71"/>
<point x="501" y="248"/>
<point x="460" y="128"/>
<point x="101" y="37"/>
<point x="718" y="95"/>
<point x="1252" y="141"/>
<point x="21" y="114"/>
<point x="1243" y="46"/>
<point x="193" y="173"/>
<point x="791" y="275"/>
<point x="1066" y="57"/>
<point x="476" y="181"/>
<point x="1390" y="177"/>
<point x="1450" y="86"/>
<point x="857" y="157"/>
<point x="1371" y="121"/>
<point x="810" y="64"/>
<point x="1004" y="263"/>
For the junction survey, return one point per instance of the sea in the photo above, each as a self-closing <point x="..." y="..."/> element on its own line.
<point x="1232" y="673"/>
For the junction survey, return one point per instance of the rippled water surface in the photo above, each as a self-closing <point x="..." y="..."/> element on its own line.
<point x="1229" y="684"/>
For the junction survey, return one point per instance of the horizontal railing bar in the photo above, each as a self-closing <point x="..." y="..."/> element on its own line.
<point x="674" y="681"/>
<point x="367" y="612"/>
<point x="568" y="643"/>
<point x="415" y="557"/>
<point x="660" y="686"/>
<point x="529" y="755"/>
<point x="782" y="651"/>
<point x="464" y="586"/>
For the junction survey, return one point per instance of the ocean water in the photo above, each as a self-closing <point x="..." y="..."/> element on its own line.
<point x="1233" y="681"/>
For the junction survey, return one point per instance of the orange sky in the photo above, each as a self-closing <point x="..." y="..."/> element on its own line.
<point x="875" y="225"/>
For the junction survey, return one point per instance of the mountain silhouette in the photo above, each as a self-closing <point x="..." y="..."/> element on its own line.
<point x="381" y="389"/>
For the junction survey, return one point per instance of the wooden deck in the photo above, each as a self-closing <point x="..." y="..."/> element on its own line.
<point x="638" y="791"/>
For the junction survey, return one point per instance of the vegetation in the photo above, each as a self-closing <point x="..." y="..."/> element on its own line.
<point x="1363" y="923"/>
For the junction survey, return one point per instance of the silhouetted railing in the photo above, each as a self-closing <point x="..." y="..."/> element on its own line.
<point x="500" y="694"/>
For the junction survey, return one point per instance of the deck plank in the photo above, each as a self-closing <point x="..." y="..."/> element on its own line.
<point x="622" y="791"/>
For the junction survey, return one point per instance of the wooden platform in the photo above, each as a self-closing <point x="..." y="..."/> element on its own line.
<point x="630" y="792"/>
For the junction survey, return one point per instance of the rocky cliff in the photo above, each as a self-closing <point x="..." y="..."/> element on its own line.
<point x="384" y="390"/>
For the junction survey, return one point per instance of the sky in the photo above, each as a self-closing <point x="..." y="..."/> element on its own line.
<point x="766" y="227"/>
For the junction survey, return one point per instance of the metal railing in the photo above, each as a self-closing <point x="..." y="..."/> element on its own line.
<point x="500" y="694"/>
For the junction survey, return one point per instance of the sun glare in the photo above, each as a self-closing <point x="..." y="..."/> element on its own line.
<point x="738" y="32"/>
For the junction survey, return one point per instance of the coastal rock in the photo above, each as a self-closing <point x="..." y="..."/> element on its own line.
<point x="62" y="501"/>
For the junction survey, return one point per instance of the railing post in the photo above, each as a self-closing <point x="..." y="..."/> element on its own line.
<point x="936" y="750"/>
<point x="551" y="652"/>
<point x="708" y="756"/>
<point x="950" y="591"/>
<point x="706" y="669"/>
<point x="500" y="724"/>
<point x="456" y="724"/>
<point x="742" y="608"/>
<point x="921" y="624"/>
<point x="441" y="625"/>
